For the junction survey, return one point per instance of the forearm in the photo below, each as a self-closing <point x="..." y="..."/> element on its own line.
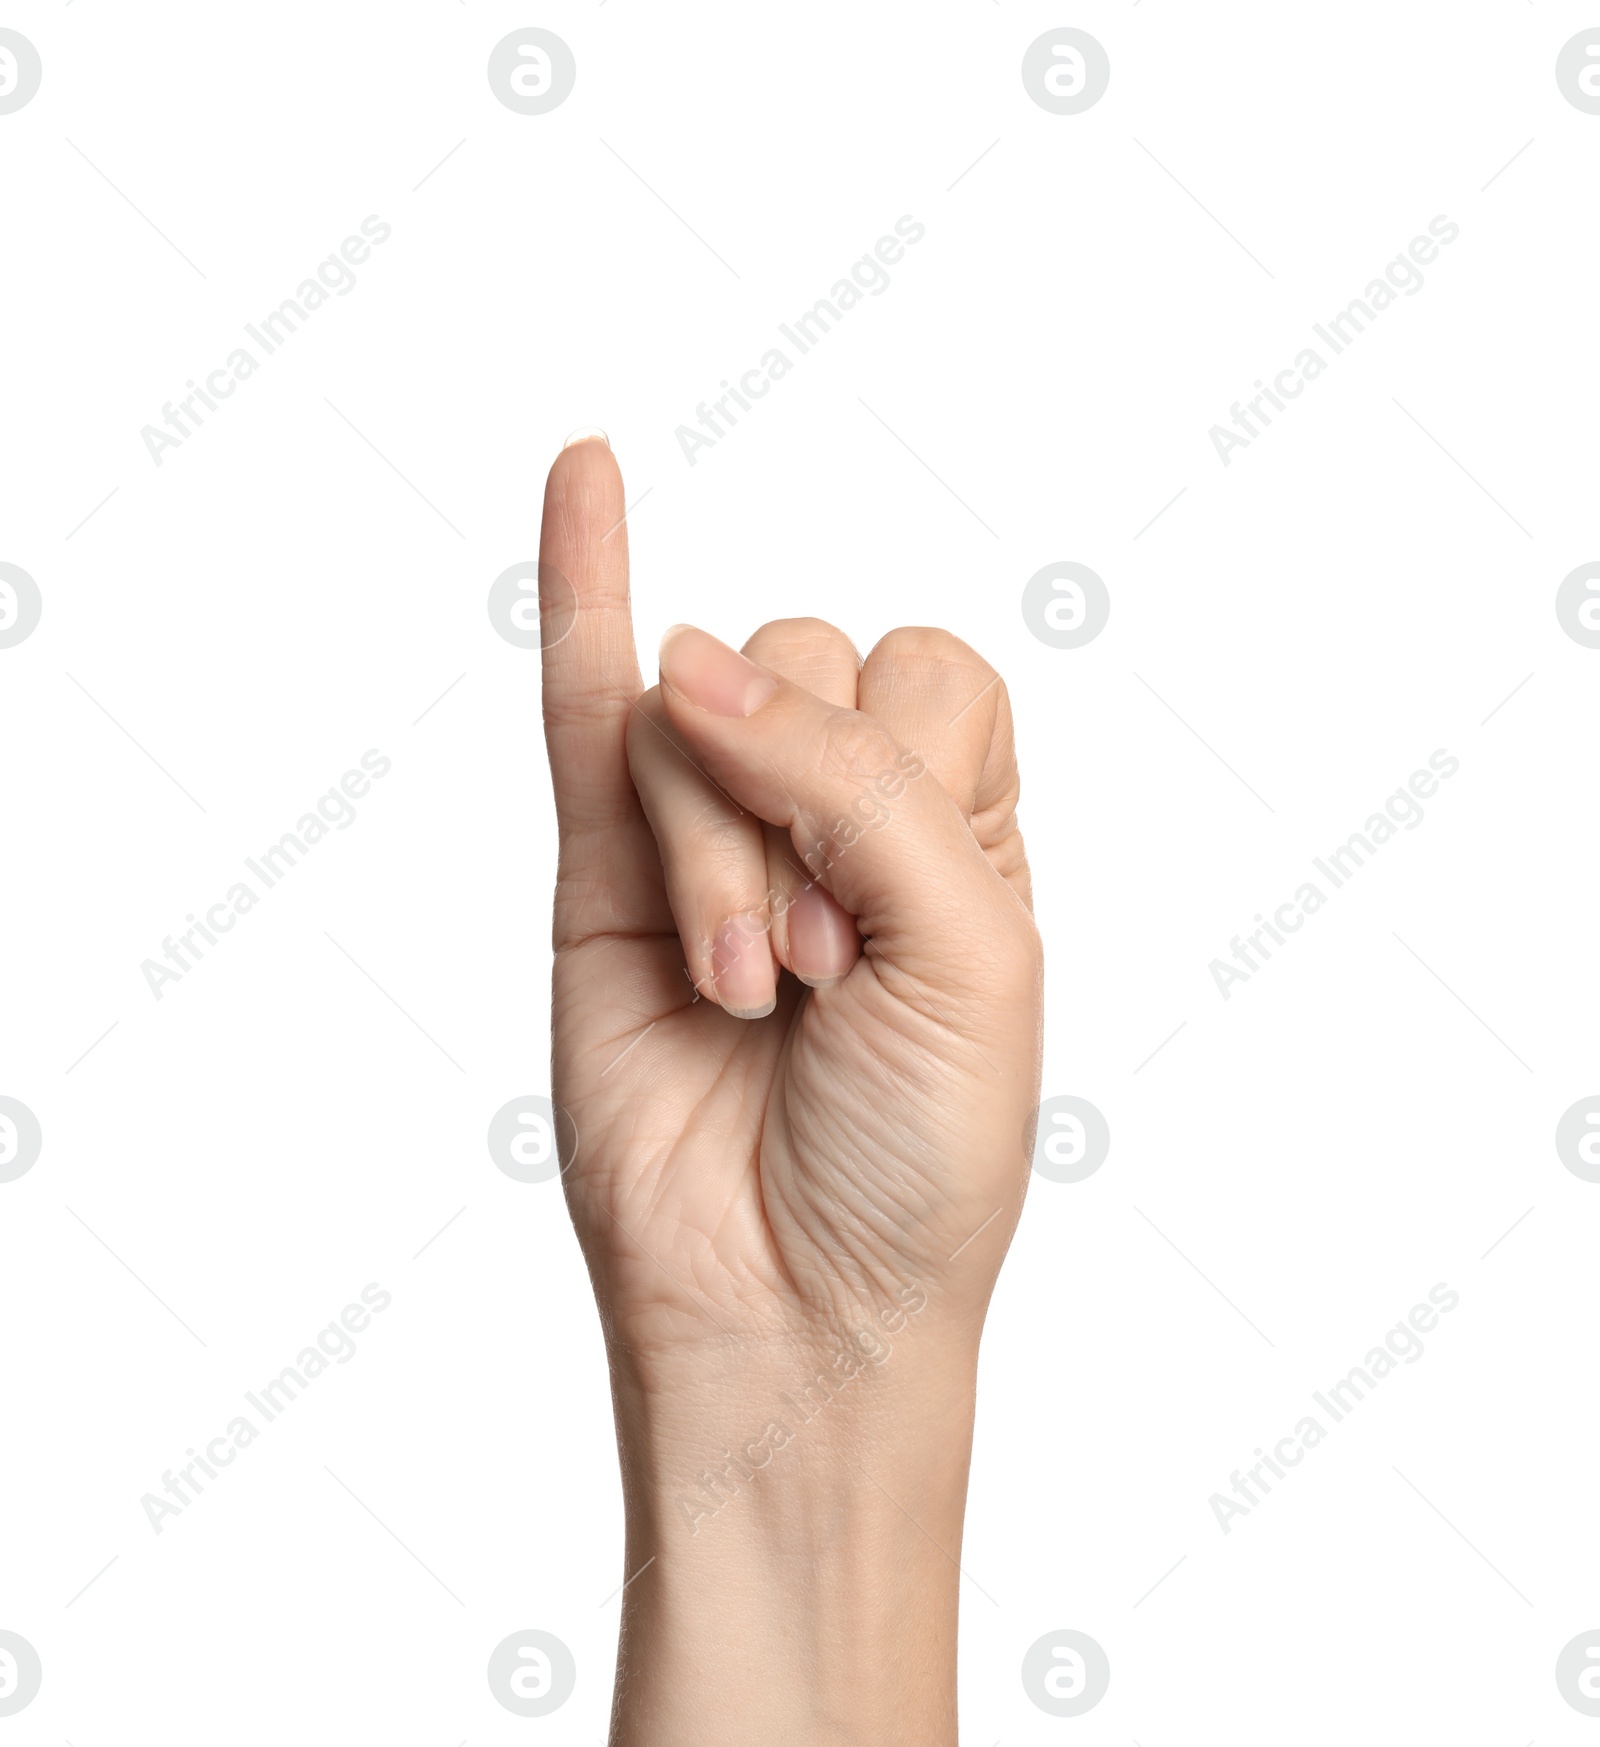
<point x="792" y="1551"/>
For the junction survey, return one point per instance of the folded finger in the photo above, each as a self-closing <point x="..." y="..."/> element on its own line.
<point x="813" y="935"/>
<point x="890" y="845"/>
<point x="714" y="860"/>
<point x="942" y="700"/>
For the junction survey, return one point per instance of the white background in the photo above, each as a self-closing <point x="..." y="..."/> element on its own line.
<point x="1287" y="643"/>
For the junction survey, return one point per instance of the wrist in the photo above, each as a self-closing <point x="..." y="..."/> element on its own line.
<point x="794" y="1527"/>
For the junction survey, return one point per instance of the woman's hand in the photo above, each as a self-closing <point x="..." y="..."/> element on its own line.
<point x="793" y="1199"/>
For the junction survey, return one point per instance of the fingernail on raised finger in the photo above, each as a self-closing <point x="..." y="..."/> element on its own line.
<point x="711" y="675"/>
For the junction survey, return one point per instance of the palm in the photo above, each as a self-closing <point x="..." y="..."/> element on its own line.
<point x="728" y="1169"/>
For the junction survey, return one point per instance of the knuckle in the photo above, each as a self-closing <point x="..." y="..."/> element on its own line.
<point x="587" y="711"/>
<point x="928" y="645"/>
<point x="799" y="630"/>
<point x="856" y="748"/>
<point x="798" y="648"/>
<point x="929" y="662"/>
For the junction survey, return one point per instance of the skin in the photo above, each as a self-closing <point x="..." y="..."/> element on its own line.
<point x="796" y="1041"/>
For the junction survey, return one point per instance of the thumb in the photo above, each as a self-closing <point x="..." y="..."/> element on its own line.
<point x="867" y="820"/>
